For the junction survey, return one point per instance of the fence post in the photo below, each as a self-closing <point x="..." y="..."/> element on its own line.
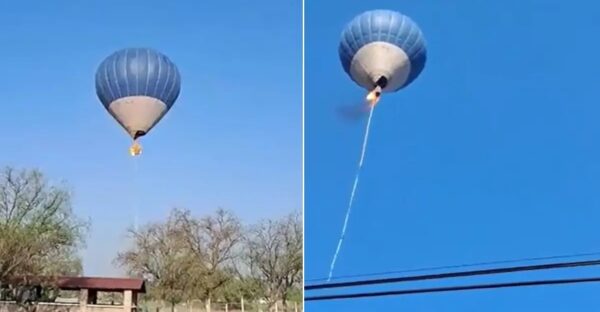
<point x="276" y="307"/>
<point x="295" y="306"/>
<point x="242" y="302"/>
<point x="226" y="307"/>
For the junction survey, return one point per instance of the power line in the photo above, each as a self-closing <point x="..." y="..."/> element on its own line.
<point x="457" y="266"/>
<point x="537" y="267"/>
<point x="454" y="288"/>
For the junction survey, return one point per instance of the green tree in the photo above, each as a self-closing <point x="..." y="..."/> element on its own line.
<point x="274" y="255"/>
<point x="39" y="233"/>
<point x="159" y="255"/>
<point x="240" y="287"/>
<point x="212" y="242"/>
<point x="39" y="237"/>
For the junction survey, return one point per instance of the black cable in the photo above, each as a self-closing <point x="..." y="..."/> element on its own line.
<point x="536" y="267"/>
<point x="454" y="288"/>
<point x="457" y="266"/>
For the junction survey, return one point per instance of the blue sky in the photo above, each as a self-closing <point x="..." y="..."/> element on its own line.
<point x="232" y="140"/>
<point x="493" y="153"/>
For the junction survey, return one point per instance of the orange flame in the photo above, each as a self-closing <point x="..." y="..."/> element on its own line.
<point x="135" y="149"/>
<point x="374" y="96"/>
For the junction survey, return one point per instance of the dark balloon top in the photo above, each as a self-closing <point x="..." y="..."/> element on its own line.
<point x="138" y="72"/>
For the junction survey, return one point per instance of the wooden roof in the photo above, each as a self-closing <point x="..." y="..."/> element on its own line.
<point x="102" y="283"/>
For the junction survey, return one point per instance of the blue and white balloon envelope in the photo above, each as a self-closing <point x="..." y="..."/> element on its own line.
<point x="137" y="86"/>
<point x="383" y="48"/>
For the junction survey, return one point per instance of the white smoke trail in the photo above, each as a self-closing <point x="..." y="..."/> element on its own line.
<point x="136" y="193"/>
<point x="360" y="163"/>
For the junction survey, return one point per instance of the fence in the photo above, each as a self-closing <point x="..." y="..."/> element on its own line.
<point x="241" y="306"/>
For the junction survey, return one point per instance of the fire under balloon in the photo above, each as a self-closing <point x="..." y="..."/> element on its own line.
<point x="135" y="149"/>
<point x="373" y="96"/>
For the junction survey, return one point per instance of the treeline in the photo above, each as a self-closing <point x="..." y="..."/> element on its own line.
<point x="217" y="258"/>
<point x="183" y="258"/>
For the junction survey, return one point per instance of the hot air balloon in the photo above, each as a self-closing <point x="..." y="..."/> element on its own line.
<point x="382" y="51"/>
<point x="137" y="87"/>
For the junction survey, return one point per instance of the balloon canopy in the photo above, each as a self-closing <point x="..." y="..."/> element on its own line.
<point x="382" y="48"/>
<point x="137" y="87"/>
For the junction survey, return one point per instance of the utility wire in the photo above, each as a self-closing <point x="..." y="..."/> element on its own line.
<point x="454" y="288"/>
<point x="537" y="267"/>
<point x="457" y="266"/>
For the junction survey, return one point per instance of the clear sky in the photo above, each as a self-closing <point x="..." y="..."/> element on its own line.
<point x="232" y="140"/>
<point x="493" y="153"/>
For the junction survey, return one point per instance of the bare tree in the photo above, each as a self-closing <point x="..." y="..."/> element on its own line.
<point x="212" y="241"/>
<point x="186" y="258"/>
<point x="274" y="253"/>
<point x="39" y="233"/>
<point x="159" y="255"/>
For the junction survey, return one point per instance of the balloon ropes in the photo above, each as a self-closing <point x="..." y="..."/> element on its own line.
<point x="382" y="51"/>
